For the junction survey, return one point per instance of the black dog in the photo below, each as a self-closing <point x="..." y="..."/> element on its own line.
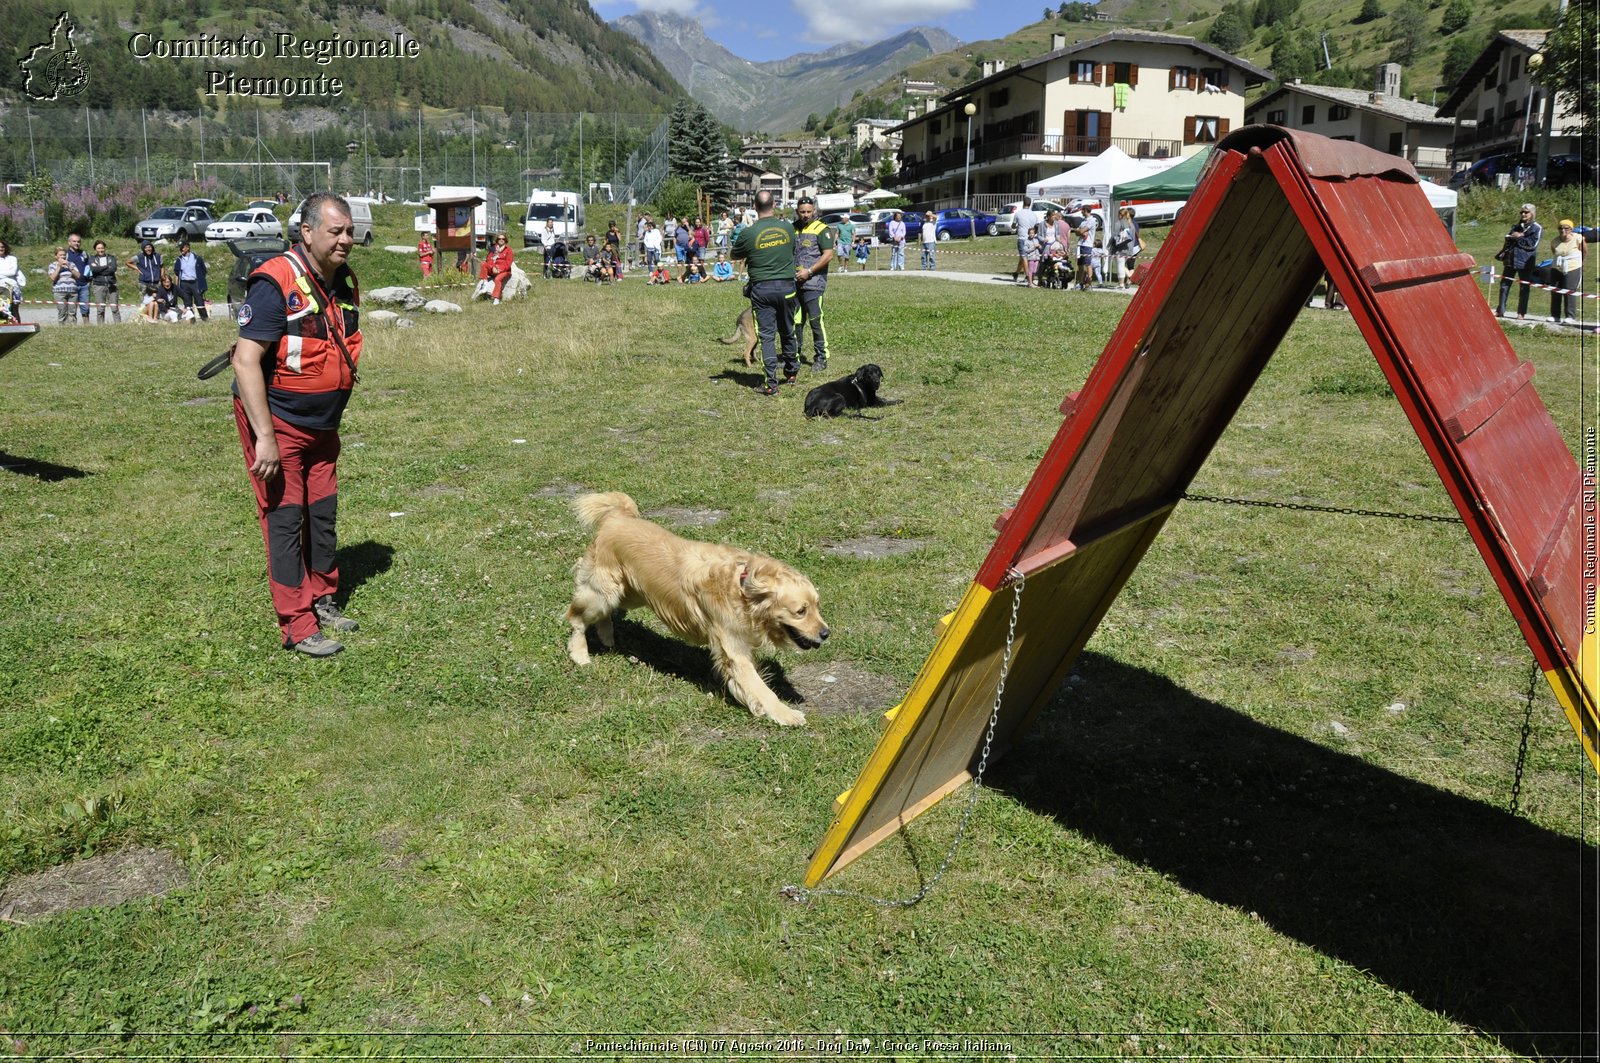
<point x="854" y="392"/>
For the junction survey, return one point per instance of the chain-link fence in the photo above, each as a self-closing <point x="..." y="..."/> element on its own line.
<point x="253" y="152"/>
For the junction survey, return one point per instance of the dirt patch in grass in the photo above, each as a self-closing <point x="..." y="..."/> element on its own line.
<point x="840" y="688"/>
<point x="203" y="400"/>
<point x="438" y="490"/>
<point x="874" y="547"/>
<point x="98" y="882"/>
<point x="560" y="490"/>
<point x="687" y="518"/>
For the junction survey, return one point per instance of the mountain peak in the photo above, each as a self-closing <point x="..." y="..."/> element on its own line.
<point x="778" y="94"/>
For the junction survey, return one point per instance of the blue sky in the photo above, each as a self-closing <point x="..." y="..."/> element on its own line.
<point x="782" y="28"/>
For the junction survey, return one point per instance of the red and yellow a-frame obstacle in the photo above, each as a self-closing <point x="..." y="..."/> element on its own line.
<point x="1272" y="212"/>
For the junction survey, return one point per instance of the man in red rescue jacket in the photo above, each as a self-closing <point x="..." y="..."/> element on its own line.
<point x="294" y="368"/>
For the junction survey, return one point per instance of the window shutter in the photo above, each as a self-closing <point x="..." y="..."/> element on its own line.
<point x="1102" y="74"/>
<point x="1133" y="75"/>
<point x="1222" y="128"/>
<point x="1188" y="130"/>
<point x="1069" y="128"/>
<point x="1105" y="126"/>
<point x="1172" y="78"/>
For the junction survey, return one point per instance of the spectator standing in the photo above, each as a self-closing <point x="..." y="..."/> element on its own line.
<point x="547" y="244"/>
<point x="1032" y="252"/>
<point x="63" y="285"/>
<point x="147" y="264"/>
<point x="930" y="240"/>
<point x="669" y="231"/>
<point x="1088" y="227"/>
<point x="1026" y="219"/>
<point x="425" y="256"/>
<point x="294" y="370"/>
<point x="1517" y="255"/>
<point x="768" y="250"/>
<point x="724" y="231"/>
<point x="844" y="240"/>
<point x="497" y="266"/>
<point x="702" y="239"/>
<point x="191" y="269"/>
<point x="863" y="250"/>
<point x="638" y="236"/>
<point x="614" y="241"/>
<point x="80" y="262"/>
<point x="1566" y="269"/>
<point x="814" y="253"/>
<point x="1125" y="245"/>
<point x="651" y="244"/>
<point x="897" y="242"/>
<point x="103" y="278"/>
<point x="681" y="239"/>
<point x="12" y="280"/>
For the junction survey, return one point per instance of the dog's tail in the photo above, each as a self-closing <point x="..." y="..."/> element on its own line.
<point x="738" y="330"/>
<point x="592" y="509"/>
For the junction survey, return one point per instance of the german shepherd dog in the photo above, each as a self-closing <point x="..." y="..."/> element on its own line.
<point x="744" y="330"/>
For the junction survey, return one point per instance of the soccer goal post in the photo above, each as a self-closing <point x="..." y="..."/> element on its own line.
<point x="295" y="179"/>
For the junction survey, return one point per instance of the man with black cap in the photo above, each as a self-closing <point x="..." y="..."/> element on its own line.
<point x="768" y="251"/>
<point x="814" y="252"/>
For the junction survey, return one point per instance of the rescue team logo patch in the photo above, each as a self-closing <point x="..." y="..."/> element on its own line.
<point x="245" y="314"/>
<point x="295" y="303"/>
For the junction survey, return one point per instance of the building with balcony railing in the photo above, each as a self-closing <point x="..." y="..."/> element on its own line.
<point x="1498" y="107"/>
<point x="1154" y="95"/>
<point x="1379" y="119"/>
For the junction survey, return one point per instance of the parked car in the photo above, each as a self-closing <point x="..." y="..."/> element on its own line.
<point x="245" y="223"/>
<point x="248" y="253"/>
<point x="174" y="223"/>
<point x="961" y="222"/>
<point x="857" y="217"/>
<point x="1006" y="216"/>
<point x="1560" y="171"/>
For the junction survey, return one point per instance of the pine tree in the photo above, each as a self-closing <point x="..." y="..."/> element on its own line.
<point x="1456" y="16"/>
<point x="833" y="163"/>
<point x="1371" y="10"/>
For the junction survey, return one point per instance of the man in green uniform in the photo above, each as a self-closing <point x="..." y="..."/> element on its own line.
<point x="814" y="252"/>
<point x="768" y="251"/>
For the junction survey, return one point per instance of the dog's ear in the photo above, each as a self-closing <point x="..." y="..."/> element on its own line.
<point x="754" y="581"/>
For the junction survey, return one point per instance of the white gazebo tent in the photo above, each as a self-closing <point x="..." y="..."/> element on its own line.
<point x="1094" y="180"/>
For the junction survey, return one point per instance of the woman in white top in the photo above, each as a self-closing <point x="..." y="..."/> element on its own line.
<point x="1567" y="249"/>
<point x="11" y="282"/>
<point x="930" y="239"/>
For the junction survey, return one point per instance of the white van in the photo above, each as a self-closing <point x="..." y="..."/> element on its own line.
<point x="360" y="221"/>
<point x="565" y="209"/>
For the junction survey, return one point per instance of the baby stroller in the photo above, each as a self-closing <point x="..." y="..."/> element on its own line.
<point x="560" y="268"/>
<point x="1051" y="274"/>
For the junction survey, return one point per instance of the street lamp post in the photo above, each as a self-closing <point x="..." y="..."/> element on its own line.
<point x="966" y="180"/>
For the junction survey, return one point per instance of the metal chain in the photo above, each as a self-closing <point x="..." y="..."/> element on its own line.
<point x="1310" y="508"/>
<point x="1522" y="749"/>
<point x="802" y="894"/>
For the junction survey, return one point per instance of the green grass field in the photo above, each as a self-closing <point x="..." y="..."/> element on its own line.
<point x="1266" y="817"/>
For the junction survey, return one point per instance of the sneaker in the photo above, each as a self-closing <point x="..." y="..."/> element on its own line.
<point x="330" y="615"/>
<point x="318" y="645"/>
<point x="791" y="378"/>
<point x="497" y="302"/>
<point x="766" y="389"/>
<point x="819" y="365"/>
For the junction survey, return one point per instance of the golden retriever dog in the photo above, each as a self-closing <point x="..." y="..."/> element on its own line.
<point x="731" y="601"/>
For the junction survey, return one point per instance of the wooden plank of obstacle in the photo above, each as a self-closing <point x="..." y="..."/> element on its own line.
<point x="1274" y="211"/>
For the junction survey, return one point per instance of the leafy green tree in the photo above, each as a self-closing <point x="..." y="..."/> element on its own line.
<point x="1295" y="55"/>
<point x="1569" y="68"/>
<point x="885" y="174"/>
<point x="1409" y="30"/>
<point x="1459" y="54"/>
<point x="1371" y="11"/>
<point x="1456" y="16"/>
<point x="833" y="164"/>
<point x="1231" y="30"/>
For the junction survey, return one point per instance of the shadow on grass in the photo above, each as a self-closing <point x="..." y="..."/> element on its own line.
<point x="1476" y="914"/>
<point x="359" y="563"/>
<point x="49" y="472"/>
<point x="750" y="379"/>
<point x="690" y="663"/>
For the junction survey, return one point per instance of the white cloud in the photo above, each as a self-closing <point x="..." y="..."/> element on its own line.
<point x="684" y="8"/>
<point x="868" y="20"/>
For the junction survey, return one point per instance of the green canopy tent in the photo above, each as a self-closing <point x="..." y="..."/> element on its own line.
<point x="1175" y="183"/>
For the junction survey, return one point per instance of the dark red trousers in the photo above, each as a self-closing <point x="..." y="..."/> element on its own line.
<point x="298" y="511"/>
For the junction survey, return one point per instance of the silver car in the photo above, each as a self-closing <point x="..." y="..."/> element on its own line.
<point x="242" y="223"/>
<point x="174" y="223"/>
